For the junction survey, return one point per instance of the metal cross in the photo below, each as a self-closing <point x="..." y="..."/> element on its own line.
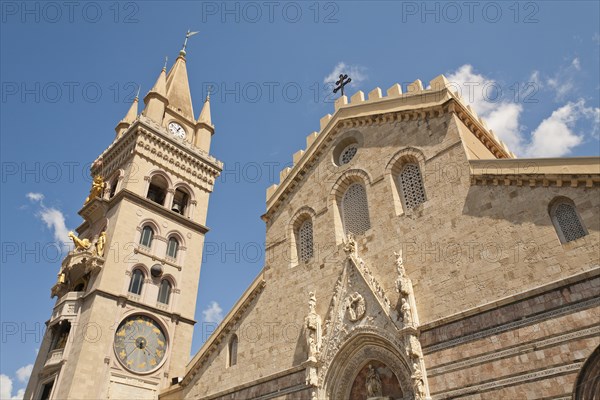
<point x="343" y="81"/>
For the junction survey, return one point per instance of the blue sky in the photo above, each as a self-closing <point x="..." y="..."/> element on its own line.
<point x="68" y="75"/>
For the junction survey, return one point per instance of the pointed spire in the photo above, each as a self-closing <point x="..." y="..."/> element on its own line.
<point x="178" y="88"/>
<point x="129" y="117"/>
<point x="205" y="113"/>
<point x="133" y="110"/>
<point x="160" y="86"/>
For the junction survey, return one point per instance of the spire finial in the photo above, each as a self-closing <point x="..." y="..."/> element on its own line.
<point x="166" y="60"/>
<point x="187" y="36"/>
<point x="137" y="95"/>
<point x="208" y="90"/>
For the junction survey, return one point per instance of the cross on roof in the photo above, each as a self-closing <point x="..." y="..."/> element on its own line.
<point x="343" y="81"/>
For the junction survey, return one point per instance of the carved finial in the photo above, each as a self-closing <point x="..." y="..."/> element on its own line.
<point x="165" y="66"/>
<point x="137" y="95"/>
<point x="312" y="302"/>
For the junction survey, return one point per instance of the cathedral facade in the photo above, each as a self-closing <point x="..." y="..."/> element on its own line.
<point x="410" y="255"/>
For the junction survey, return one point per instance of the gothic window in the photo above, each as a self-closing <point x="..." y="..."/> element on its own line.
<point x="304" y="241"/>
<point x="411" y="186"/>
<point x="147" y="236"/>
<point x="164" y="291"/>
<point x="157" y="190"/>
<point x="355" y="210"/>
<point x="136" y="282"/>
<point x="348" y="154"/>
<point x="233" y="346"/>
<point x="180" y="201"/>
<point x="172" y="247"/>
<point x="566" y="221"/>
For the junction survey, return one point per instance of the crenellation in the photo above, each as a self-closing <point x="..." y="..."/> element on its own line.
<point x="394" y="91"/>
<point x="375" y="94"/>
<point x="415" y="87"/>
<point x="297" y="156"/>
<point x="439" y="82"/>
<point x="324" y="121"/>
<point x="357" y="98"/>
<point x="284" y="173"/>
<point x="340" y="102"/>
<point x="310" y="139"/>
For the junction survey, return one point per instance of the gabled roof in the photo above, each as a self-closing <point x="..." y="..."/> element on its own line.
<point x="396" y="106"/>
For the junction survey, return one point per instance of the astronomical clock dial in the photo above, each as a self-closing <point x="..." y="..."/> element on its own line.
<point x="140" y="344"/>
<point x="177" y="130"/>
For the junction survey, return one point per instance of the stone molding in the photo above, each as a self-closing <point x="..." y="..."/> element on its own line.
<point x="533" y="319"/>
<point x="521" y="378"/>
<point x="593" y="331"/>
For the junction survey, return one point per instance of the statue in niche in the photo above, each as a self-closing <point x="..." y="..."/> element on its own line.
<point x="80" y="244"/>
<point x="373" y="383"/>
<point x="406" y="312"/>
<point x="97" y="188"/>
<point x="99" y="246"/>
<point x="403" y="283"/>
<point x="312" y="326"/>
<point x="418" y="383"/>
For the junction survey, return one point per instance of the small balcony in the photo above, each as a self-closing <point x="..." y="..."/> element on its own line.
<point x="66" y="307"/>
<point x="55" y="357"/>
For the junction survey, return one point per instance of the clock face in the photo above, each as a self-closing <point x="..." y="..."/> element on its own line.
<point x="177" y="130"/>
<point x="140" y="344"/>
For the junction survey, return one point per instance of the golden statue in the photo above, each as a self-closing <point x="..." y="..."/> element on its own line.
<point x="80" y="244"/>
<point x="99" y="246"/>
<point x="97" y="188"/>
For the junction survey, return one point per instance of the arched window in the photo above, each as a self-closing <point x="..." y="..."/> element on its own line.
<point x="180" y="201"/>
<point x="157" y="191"/>
<point x="113" y="187"/>
<point x="172" y="247"/>
<point x="147" y="236"/>
<point x="233" y="346"/>
<point x="164" y="291"/>
<point x="136" y="282"/>
<point x="355" y="210"/>
<point x="411" y="186"/>
<point x="566" y="221"/>
<point x="304" y="241"/>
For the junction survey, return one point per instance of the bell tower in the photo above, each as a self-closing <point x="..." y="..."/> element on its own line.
<point x="123" y="320"/>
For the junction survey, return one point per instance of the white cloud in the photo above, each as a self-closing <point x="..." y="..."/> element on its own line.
<point x="35" y="196"/>
<point x="555" y="135"/>
<point x="357" y="73"/>
<point x="213" y="313"/>
<point x="53" y="218"/>
<point x="563" y="82"/>
<point x="485" y="96"/>
<point x="24" y="373"/>
<point x="576" y="64"/>
<point x="6" y="387"/>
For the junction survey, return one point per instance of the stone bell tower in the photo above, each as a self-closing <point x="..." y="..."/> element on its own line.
<point x="126" y="295"/>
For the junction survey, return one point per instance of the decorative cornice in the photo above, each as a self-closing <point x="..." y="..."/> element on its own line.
<point x="545" y="172"/>
<point x="145" y="134"/>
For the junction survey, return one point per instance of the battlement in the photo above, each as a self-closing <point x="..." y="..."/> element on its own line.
<point x="377" y="108"/>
